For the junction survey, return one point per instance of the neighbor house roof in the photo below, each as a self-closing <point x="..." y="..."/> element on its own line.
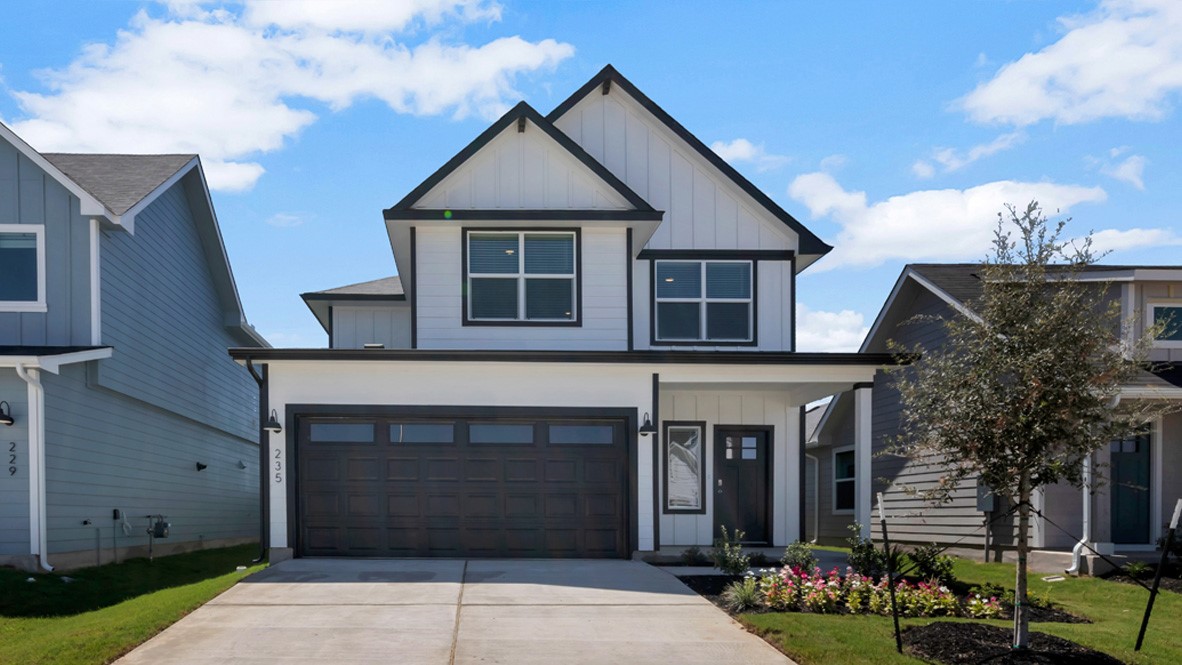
<point x="119" y="181"/>
<point x="812" y="418"/>
<point x="809" y="243"/>
<point x="384" y="289"/>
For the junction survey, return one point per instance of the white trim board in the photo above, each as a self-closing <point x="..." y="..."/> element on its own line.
<point x="39" y="305"/>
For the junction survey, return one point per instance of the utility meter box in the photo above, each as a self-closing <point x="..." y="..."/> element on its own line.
<point x="986" y="499"/>
<point x="160" y="528"/>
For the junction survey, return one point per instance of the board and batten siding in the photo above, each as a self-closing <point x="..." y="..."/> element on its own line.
<point x="162" y="314"/>
<point x="105" y="451"/>
<point x="703" y="208"/>
<point x="521" y="171"/>
<point x="29" y="195"/>
<point x="725" y="408"/>
<point x="440" y="299"/>
<point x="354" y="326"/>
<point x="14" y="487"/>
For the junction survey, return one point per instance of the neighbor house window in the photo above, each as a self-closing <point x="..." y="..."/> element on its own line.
<point x="685" y="468"/>
<point x="1169" y="316"/>
<point x="704" y="301"/>
<point x="22" y="268"/>
<point x="527" y="276"/>
<point x="843" y="480"/>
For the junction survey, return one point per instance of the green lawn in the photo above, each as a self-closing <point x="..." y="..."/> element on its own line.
<point x="1114" y="608"/>
<point x="108" y="610"/>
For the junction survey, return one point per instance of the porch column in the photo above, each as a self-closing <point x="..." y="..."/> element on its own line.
<point x="863" y="445"/>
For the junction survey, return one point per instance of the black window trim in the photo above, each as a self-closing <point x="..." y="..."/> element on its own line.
<point x="700" y="256"/>
<point x="468" y="321"/>
<point x="852" y="480"/>
<point x="665" y="426"/>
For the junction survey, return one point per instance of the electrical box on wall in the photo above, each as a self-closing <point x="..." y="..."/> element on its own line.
<point x="160" y="527"/>
<point x="986" y="499"/>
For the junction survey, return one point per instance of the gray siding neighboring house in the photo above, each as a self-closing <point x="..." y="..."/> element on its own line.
<point x="935" y="291"/>
<point x="118" y="379"/>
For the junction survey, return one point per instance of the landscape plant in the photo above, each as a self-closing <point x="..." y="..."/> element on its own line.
<point x="1021" y="391"/>
<point x="932" y="564"/>
<point x="742" y="595"/>
<point x="799" y="554"/>
<point x="728" y="555"/>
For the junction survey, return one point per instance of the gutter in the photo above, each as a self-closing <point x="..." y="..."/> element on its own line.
<point x="38" y="530"/>
<point x="264" y="446"/>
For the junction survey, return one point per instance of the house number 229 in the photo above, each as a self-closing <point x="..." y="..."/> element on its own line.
<point x="12" y="458"/>
<point x="278" y="465"/>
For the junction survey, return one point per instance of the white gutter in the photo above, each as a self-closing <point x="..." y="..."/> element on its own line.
<point x="1077" y="551"/>
<point x="38" y="531"/>
<point x="816" y="497"/>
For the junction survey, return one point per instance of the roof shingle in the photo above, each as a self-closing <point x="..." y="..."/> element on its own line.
<point x="118" y="181"/>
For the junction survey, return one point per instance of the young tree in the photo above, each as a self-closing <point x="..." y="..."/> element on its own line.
<point x="1023" y="390"/>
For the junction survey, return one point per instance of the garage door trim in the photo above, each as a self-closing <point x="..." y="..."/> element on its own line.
<point x="296" y="411"/>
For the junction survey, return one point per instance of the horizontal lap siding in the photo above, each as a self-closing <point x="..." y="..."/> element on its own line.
<point x="105" y="451"/>
<point x="14" y="488"/>
<point x="28" y="195"/>
<point x="162" y="314"/>
<point x="440" y="302"/>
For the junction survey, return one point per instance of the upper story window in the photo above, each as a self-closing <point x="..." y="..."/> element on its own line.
<point x="1168" y="315"/>
<point x="22" y="268"/>
<point x="704" y="301"/>
<point x="527" y="276"/>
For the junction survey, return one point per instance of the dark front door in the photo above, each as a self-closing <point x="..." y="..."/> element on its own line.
<point x="742" y="462"/>
<point x="494" y="485"/>
<point x="1130" y="490"/>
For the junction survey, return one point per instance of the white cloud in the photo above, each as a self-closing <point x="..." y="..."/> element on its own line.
<point x="1115" y="240"/>
<point x="833" y="162"/>
<point x="285" y="220"/>
<point x="951" y="159"/>
<point x="234" y="85"/>
<point x="1131" y="170"/>
<point x="1122" y="61"/>
<point x="742" y="150"/>
<point x="934" y="225"/>
<point x="818" y="330"/>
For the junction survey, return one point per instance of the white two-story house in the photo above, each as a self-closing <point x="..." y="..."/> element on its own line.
<point x="589" y="352"/>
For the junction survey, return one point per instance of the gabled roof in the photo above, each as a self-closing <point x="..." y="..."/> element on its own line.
<point x="405" y="209"/>
<point x="119" y="181"/>
<point x="810" y="244"/>
<point x="388" y="289"/>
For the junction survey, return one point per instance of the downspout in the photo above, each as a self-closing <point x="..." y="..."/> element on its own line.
<point x="264" y="444"/>
<point x="816" y="497"/>
<point x="1077" y="551"/>
<point x="37" y="467"/>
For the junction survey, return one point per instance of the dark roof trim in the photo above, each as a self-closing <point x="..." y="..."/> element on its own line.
<point x="343" y="297"/>
<point x="719" y="254"/>
<point x="521" y="111"/>
<point x="46" y="350"/>
<point x="501" y="214"/>
<point x="663" y="357"/>
<point x="809" y="243"/>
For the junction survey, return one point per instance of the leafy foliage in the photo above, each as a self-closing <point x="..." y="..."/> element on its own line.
<point x="742" y="595"/>
<point x="799" y="555"/>
<point x="866" y="559"/>
<point x="1137" y="569"/>
<point x="693" y="556"/>
<point x="932" y="564"/>
<point x="728" y="555"/>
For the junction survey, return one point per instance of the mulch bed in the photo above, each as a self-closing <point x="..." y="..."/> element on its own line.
<point x="711" y="587"/>
<point x="957" y="643"/>
<point x="1171" y="579"/>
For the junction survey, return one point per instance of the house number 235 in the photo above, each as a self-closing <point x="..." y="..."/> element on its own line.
<point x="278" y="465"/>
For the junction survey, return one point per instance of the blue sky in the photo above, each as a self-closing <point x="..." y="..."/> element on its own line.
<point x="895" y="131"/>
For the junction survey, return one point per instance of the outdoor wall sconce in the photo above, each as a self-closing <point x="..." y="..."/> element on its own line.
<point x="241" y="464"/>
<point x="647" y="428"/>
<point x="202" y="467"/>
<point x="273" y="425"/>
<point x="6" y="414"/>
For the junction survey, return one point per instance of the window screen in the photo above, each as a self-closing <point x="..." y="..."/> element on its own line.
<point x="521" y="276"/>
<point x="704" y="301"/>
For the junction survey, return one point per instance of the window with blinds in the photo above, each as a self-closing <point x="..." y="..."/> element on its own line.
<point x="704" y="301"/>
<point x="521" y="276"/>
<point x="22" y="280"/>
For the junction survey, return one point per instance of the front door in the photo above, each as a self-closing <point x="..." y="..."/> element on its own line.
<point x="741" y="480"/>
<point x="1130" y="491"/>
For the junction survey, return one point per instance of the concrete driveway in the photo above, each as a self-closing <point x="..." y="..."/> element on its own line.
<point x="451" y="611"/>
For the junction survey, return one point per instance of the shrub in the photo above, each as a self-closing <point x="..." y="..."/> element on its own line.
<point x="982" y="607"/>
<point x="868" y="560"/>
<point x="799" y="555"/>
<point x="728" y="553"/>
<point x="693" y="556"/>
<point x="931" y="564"/>
<point x="760" y="560"/>
<point x="1175" y="547"/>
<point x="1137" y="569"/>
<point x="742" y="595"/>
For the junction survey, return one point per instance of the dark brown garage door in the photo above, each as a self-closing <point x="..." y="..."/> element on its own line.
<point x="463" y="487"/>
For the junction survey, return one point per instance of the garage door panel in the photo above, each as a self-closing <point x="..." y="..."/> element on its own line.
<point x="494" y="498"/>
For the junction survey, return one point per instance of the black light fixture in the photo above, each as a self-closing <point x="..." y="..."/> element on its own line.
<point x="647" y="428"/>
<point x="202" y="467"/>
<point x="6" y="414"/>
<point x="273" y="425"/>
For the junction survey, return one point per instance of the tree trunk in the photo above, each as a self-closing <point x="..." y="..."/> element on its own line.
<point x="1021" y="618"/>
